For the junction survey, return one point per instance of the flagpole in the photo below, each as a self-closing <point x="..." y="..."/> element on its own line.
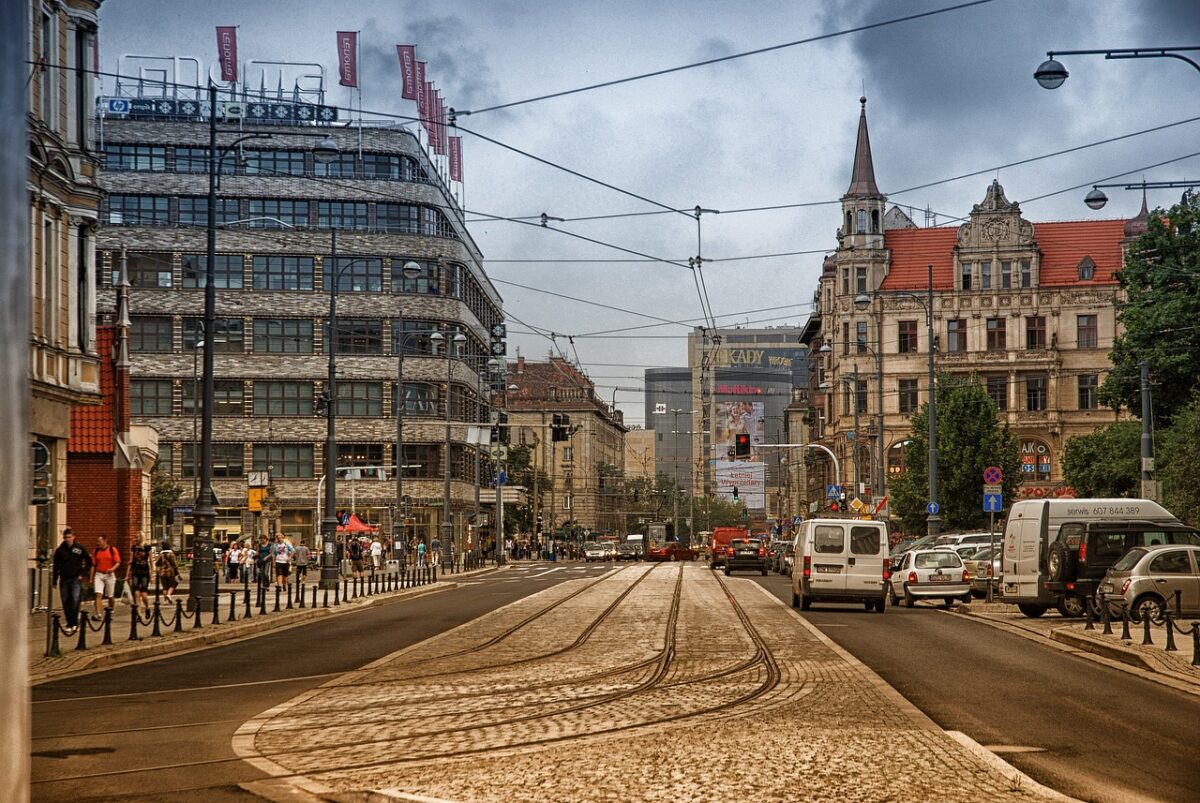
<point x="358" y="86"/>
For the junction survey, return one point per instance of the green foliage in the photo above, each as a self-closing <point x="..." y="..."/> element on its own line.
<point x="519" y="518"/>
<point x="970" y="438"/>
<point x="1177" y="449"/>
<point x="164" y="493"/>
<point x="1106" y="463"/>
<point x="1161" y="277"/>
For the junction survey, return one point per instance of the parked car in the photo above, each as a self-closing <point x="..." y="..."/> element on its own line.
<point x="908" y="544"/>
<point x="962" y="539"/>
<point x="594" y="551"/>
<point x="841" y="560"/>
<point x="629" y="551"/>
<point x="964" y="551"/>
<point x="672" y="551"/>
<point x="610" y="549"/>
<point x="1145" y="580"/>
<point x="721" y="536"/>
<point x="746" y="553"/>
<point x="785" y="558"/>
<point x="984" y="567"/>
<point x="930" y="574"/>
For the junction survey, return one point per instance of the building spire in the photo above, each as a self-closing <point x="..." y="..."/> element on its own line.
<point x="862" y="181"/>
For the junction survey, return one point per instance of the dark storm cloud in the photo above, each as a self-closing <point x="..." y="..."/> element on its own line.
<point x="1180" y="17"/>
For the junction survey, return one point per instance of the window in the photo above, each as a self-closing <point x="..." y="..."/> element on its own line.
<point x="997" y="390"/>
<point x="422" y="460"/>
<point x="996" y="334"/>
<point x="985" y="275"/>
<point x="414" y="336"/>
<point x="956" y="336"/>
<point x="195" y="160"/>
<point x="288" y="460"/>
<point x="908" y="395"/>
<point x="1035" y="332"/>
<point x="227" y="397"/>
<point x="227" y="460"/>
<point x="1175" y="562"/>
<point x="283" y="398"/>
<point x="426" y="280"/>
<point x="138" y="210"/>
<point x="435" y="224"/>
<point x="1086" y="330"/>
<point x="860" y="336"/>
<point x="135" y="157"/>
<point x="861" y="220"/>
<point x="1006" y="275"/>
<point x="1026" y="273"/>
<point x="1035" y="392"/>
<point x="360" y="454"/>
<point x="360" y="398"/>
<point x="283" y="336"/>
<point x="860" y="279"/>
<point x="150" y="396"/>
<point x="398" y="218"/>
<point x="1087" y="391"/>
<point x="355" y="274"/>
<point x="277" y="272"/>
<point x="453" y="275"/>
<point x="274" y="163"/>
<point x="359" y="336"/>
<point x="48" y="55"/>
<point x="860" y="395"/>
<point x="293" y="213"/>
<point x="965" y="281"/>
<point x="193" y="210"/>
<point x="341" y="215"/>
<point x="906" y="337"/>
<point x="845" y="337"/>
<point x="166" y="458"/>
<point x="230" y="337"/>
<point x="228" y="270"/>
<point x="420" y="399"/>
<point x="829" y="539"/>
<point x="150" y="334"/>
<point x="149" y="270"/>
<point x="846" y="279"/>
<point x="1087" y="269"/>
<point x="344" y="165"/>
<point x="864" y="541"/>
<point x="391" y="166"/>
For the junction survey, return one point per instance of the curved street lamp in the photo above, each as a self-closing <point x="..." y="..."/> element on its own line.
<point x="1051" y="73"/>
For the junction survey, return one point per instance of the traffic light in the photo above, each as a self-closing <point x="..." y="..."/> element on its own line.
<point x="735" y="493"/>
<point x="834" y="506"/>
<point x="741" y="445"/>
<point x="501" y="428"/>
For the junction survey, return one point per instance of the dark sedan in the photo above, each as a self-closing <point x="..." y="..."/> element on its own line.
<point x="671" y="551"/>
<point x="746" y="554"/>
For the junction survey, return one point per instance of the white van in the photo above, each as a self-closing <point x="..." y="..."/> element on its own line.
<point x="1042" y="570"/>
<point x="840" y="560"/>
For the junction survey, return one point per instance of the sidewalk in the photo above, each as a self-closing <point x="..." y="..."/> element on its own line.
<point x="70" y="660"/>
<point x="1175" y="667"/>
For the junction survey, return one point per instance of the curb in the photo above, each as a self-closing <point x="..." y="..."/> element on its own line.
<point x="1109" y="651"/>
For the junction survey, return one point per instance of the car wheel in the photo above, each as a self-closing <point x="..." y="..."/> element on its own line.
<point x="966" y="599"/>
<point x="1070" y="607"/>
<point x="795" y="600"/>
<point x="1032" y="611"/>
<point x="1058" y="562"/>
<point x="674" y="557"/>
<point x="805" y="603"/>
<point x="1148" y="605"/>
<point x="879" y="605"/>
<point x="764" y="571"/>
<point x="892" y="596"/>
<point x="727" y="571"/>
<point x="909" y="600"/>
<point x="947" y="602"/>
<point x="868" y="605"/>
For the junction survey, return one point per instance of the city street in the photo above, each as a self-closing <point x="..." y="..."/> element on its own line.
<point x="1094" y="732"/>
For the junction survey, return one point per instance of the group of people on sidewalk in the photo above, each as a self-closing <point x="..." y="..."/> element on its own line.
<point x="270" y="559"/>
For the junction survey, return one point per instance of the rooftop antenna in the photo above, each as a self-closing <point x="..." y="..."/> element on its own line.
<point x="930" y="217"/>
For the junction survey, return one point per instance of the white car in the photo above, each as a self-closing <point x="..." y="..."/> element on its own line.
<point x="594" y="551"/>
<point x="930" y="574"/>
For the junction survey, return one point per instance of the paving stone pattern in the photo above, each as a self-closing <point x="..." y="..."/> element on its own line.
<point x="645" y="684"/>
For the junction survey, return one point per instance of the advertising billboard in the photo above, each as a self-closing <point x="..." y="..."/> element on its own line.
<point x="734" y="417"/>
<point x="750" y="479"/>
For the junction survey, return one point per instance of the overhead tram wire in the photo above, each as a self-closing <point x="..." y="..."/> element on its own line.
<point x="731" y="57"/>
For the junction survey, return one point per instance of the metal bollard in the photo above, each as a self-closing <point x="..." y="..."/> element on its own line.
<point x="1105" y="619"/>
<point x="1125" y="624"/>
<point x="345" y="590"/>
<point x="216" y="605"/>
<point x="1088" y="624"/>
<point x="433" y="574"/>
<point x="1146" y="629"/>
<point x="1178" y="604"/>
<point x="336" y="601"/>
<point x="1170" y="632"/>
<point x="197" y="613"/>
<point x="55" y="624"/>
<point x="107" y="627"/>
<point x="232" y="607"/>
<point x="133" y="623"/>
<point x="84" y="618"/>
<point x="262" y="600"/>
<point x="178" y="616"/>
<point x="157" y="619"/>
<point x="325" y="603"/>
<point x="1195" y="644"/>
<point x="289" y="598"/>
<point x="277" y="596"/>
<point x="247" y="613"/>
<point x="301" y="592"/>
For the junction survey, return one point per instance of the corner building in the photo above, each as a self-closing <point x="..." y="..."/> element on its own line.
<point x="1028" y="307"/>
<point x="277" y="209"/>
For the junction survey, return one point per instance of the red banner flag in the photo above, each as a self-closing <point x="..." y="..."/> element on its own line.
<point x="427" y="115"/>
<point x="456" y="159"/>
<point x="227" y="52"/>
<point x="439" y="128"/>
<point x="422" y="94"/>
<point x="347" y="46"/>
<point x="408" y="71"/>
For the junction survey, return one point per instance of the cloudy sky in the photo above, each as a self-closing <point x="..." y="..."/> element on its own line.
<point x="948" y="95"/>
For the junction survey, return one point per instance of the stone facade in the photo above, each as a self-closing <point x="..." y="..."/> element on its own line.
<point x="269" y="336"/>
<point x="63" y="203"/>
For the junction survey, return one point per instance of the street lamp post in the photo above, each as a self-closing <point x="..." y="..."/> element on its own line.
<point x="410" y="270"/>
<point x="447" y="523"/>
<point x="1096" y="199"/>
<point x="1051" y="74"/>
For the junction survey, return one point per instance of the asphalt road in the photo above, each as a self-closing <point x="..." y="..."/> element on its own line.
<point x="1099" y="733"/>
<point x="161" y="731"/>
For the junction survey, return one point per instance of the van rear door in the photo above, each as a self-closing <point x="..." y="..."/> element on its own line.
<point x="829" y="557"/>
<point x="864" y="566"/>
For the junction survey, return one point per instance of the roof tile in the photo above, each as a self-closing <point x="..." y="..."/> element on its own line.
<point x="92" y="425"/>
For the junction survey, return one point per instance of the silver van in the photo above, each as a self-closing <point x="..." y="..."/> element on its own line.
<point x="840" y="560"/>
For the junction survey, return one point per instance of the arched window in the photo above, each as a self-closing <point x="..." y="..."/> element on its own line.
<point x="1087" y="269"/>
<point x="862" y="221"/>
<point x="849" y="224"/>
<point x="874" y="221"/>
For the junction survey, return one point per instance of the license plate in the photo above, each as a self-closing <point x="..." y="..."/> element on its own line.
<point x="1108" y="587"/>
<point x="831" y="569"/>
<point x="939" y="578"/>
<point x="746" y="554"/>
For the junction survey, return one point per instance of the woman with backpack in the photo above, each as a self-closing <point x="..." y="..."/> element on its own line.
<point x="137" y="577"/>
<point x="168" y="573"/>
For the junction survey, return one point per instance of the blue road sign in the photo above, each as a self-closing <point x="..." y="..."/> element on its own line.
<point x="833" y="491"/>
<point x="502" y="479"/>
<point x="993" y="503"/>
<point x="933" y="508"/>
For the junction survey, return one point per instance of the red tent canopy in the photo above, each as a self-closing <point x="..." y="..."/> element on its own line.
<point x="355" y="525"/>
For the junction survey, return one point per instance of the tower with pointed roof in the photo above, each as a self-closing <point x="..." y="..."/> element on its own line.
<point x="863" y="205"/>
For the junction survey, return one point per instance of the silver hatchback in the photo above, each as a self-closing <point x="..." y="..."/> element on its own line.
<point x="1147" y="579"/>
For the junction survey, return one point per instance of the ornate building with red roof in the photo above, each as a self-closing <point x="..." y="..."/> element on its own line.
<point x="1028" y="307"/>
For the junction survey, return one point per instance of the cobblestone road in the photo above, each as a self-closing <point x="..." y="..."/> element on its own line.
<point x="651" y="683"/>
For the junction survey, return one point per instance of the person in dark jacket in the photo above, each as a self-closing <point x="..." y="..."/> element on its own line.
<point x="72" y="565"/>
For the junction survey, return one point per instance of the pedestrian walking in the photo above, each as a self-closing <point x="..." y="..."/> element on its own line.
<point x="301" y="557"/>
<point x="376" y="553"/>
<point x="421" y="554"/>
<point x="137" y="578"/>
<point x="354" y="550"/>
<point x="71" y="566"/>
<point x="247" y="568"/>
<point x="233" y="562"/>
<point x="281" y="556"/>
<point x="105" y="562"/>
<point x="262" y="557"/>
<point x="436" y="547"/>
<point x="168" y="572"/>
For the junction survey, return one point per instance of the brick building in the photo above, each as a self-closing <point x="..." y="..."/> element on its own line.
<point x="408" y="268"/>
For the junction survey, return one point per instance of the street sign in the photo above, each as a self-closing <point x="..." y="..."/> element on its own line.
<point x="933" y="508"/>
<point x="992" y="475"/>
<point x="502" y="477"/>
<point x="993" y="489"/>
<point x="857" y="504"/>
<point x="993" y="503"/>
<point x="833" y="491"/>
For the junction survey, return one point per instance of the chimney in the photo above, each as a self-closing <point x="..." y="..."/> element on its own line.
<point x="520" y="364"/>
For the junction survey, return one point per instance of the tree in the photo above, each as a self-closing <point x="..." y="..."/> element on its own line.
<point x="1161" y="278"/>
<point x="1178" y="446"/>
<point x="521" y="472"/>
<point x="164" y="493"/>
<point x="970" y="438"/>
<point x="1107" y="462"/>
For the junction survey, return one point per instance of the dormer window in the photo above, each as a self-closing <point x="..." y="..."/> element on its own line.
<point x="1087" y="269"/>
